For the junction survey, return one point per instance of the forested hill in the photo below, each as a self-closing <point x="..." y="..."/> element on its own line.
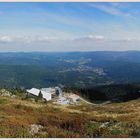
<point x="113" y="93"/>
<point x="71" y="69"/>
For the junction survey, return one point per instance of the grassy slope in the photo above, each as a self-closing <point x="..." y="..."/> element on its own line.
<point x="110" y="120"/>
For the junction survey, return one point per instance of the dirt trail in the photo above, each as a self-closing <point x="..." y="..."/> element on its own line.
<point x="86" y="101"/>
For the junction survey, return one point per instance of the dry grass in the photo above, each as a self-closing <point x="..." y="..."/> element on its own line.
<point x="110" y="120"/>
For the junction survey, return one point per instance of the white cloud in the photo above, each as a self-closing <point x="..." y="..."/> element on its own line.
<point x="98" y="37"/>
<point x="111" y="9"/>
<point x="38" y="39"/>
<point x="90" y="38"/>
<point x="5" y="39"/>
<point x="91" y="42"/>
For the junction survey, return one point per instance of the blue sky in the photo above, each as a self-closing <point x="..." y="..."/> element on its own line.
<point x="69" y="26"/>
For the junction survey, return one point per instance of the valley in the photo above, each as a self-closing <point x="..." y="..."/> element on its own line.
<point x="70" y="69"/>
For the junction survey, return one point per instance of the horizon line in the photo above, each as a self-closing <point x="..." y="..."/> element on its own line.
<point x="68" y="51"/>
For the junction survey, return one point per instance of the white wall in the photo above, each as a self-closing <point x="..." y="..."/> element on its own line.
<point x="46" y="95"/>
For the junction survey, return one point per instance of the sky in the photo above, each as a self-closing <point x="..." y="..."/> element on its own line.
<point x="63" y="26"/>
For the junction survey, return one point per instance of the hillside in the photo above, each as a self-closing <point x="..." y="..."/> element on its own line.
<point x="24" y="118"/>
<point x="113" y="92"/>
